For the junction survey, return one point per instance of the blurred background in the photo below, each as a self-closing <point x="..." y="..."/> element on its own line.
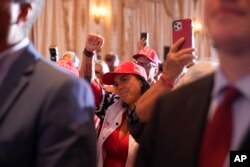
<point x="66" y="23"/>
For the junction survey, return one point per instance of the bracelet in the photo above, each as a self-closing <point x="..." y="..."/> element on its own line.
<point x="167" y="82"/>
<point x="88" y="53"/>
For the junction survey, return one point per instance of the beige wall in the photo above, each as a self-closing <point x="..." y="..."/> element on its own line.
<point x="67" y="22"/>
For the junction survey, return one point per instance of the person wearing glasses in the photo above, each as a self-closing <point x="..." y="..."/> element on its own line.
<point x="148" y="59"/>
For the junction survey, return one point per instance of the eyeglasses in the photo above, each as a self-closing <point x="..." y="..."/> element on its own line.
<point x="146" y="65"/>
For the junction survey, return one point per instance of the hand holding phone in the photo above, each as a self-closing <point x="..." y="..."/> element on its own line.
<point x="54" y="55"/>
<point x="183" y="28"/>
<point x="145" y="36"/>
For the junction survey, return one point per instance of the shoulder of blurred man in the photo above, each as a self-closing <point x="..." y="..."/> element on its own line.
<point x="177" y="115"/>
<point x="53" y="109"/>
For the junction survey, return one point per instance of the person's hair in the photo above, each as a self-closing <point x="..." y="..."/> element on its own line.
<point x="104" y="66"/>
<point x="145" y="85"/>
<point x="112" y="56"/>
<point x="37" y="6"/>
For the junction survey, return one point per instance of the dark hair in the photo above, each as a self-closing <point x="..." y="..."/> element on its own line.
<point x="145" y="85"/>
<point x="112" y="56"/>
<point x="160" y="67"/>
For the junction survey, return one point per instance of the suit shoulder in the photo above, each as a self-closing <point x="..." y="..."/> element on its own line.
<point x="52" y="71"/>
<point x="51" y="75"/>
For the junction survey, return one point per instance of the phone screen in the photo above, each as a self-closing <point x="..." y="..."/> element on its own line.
<point x="53" y="53"/>
<point x="183" y="28"/>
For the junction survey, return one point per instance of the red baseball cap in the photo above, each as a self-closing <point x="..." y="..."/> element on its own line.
<point x="148" y="53"/>
<point x="124" y="68"/>
<point x="69" y="65"/>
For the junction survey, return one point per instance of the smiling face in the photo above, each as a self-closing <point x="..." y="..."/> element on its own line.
<point x="128" y="87"/>
<point x="228" y="23"/>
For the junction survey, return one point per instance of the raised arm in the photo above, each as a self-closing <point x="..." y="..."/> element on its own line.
<point x="93" y="42"/>
<point x="173" y="66"/>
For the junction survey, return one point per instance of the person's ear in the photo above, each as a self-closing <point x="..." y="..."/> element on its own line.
<point x="25" y="11"/>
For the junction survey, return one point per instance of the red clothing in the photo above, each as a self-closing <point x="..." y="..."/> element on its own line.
<point x="116" y="149"/>
<point x="97" y="92"/>
<point x="69" y="65"/>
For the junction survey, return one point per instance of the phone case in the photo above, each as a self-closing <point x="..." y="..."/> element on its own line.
<point x="183" y="28"/>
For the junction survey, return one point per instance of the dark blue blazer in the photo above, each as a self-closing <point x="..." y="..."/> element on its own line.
<point x="46" y="116"/>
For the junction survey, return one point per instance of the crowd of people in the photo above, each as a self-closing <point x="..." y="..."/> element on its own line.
<point x="124" y="114"/>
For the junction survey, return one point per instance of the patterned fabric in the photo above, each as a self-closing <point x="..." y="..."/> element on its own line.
<point x="108" y="98"/>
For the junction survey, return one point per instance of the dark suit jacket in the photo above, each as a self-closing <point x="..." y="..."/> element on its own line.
<point x="173" y="137"/>
<point x="46" y="117"/>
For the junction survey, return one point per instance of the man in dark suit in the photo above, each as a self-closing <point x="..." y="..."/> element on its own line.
<point x="46" y="117"/>
<point x="180" y="127"/>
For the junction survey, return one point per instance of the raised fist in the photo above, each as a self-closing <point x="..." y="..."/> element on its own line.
<point x="94" y="42"/>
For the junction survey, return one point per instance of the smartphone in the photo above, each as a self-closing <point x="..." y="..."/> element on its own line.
<point x="145" y="35"/>
<point x="54" y="55"/>
<point x="183" y="28"/>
